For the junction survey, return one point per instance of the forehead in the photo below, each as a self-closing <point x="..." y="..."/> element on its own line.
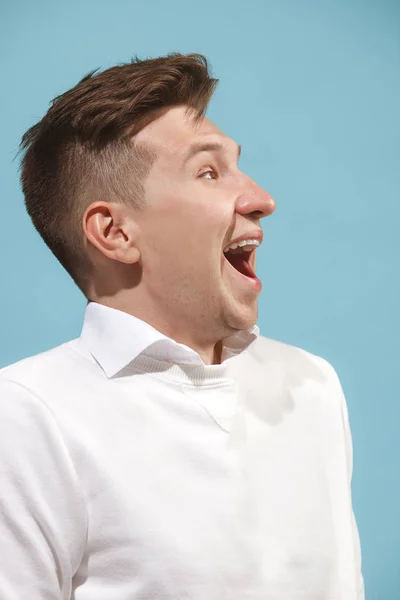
<point x="172" y="132"/>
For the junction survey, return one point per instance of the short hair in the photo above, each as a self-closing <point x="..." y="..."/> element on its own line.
<point x="83" y="149"/>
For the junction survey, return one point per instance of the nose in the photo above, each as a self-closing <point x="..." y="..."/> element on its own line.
<point x="255" y="201"/>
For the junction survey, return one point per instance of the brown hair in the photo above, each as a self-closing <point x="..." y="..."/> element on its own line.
<point x="82" y="150"/>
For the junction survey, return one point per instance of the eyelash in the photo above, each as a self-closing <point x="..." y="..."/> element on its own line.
<point x="209" y="171"/>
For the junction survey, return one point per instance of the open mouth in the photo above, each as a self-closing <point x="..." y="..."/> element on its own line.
<point x="240" y="260"/>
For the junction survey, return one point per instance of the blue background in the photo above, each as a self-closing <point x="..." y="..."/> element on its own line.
<point x="311" y="89"/>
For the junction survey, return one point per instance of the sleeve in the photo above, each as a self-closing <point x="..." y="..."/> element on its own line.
<point x="42" y="511"/>
<point x="349" y="457"/>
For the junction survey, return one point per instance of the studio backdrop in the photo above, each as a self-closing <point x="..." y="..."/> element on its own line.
<point x="311" y="89"/>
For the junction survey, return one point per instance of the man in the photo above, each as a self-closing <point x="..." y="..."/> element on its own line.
<point x="170" y="451"/>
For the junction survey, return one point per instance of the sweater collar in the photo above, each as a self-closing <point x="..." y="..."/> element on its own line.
<point x="115" y="339"/>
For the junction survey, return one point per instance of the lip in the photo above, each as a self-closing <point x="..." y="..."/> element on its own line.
<point x="256" y="234"/>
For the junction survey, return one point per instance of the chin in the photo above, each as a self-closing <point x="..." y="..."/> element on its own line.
<point x="244" y="317"/>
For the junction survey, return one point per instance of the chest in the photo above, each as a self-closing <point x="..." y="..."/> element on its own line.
<point x="180" y="507"/>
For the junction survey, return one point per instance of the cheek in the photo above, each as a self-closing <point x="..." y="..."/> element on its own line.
<point x="191" y="222"/>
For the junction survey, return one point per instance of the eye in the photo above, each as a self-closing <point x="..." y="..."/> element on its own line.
<point x="209" y="172"/>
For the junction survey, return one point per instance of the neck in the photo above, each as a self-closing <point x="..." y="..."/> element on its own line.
<point x="210" y="351"/>
<point x="217" y="353"/>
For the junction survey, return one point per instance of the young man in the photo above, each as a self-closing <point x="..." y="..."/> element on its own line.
<point x="171" y="451"/>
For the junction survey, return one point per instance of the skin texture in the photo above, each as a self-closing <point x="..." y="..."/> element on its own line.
<point x="165" y="264"/>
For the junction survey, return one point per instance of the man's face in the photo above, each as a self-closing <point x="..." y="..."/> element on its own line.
<point x="196" y="206"/>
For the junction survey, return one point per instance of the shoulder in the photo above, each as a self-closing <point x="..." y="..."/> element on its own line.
<point x="289" y="361"/>
<point x="47" y="369"/>
<point x="267" y="348"/>
<point x="69" y="354"/>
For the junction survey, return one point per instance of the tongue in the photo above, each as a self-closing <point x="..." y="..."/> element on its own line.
<point x="241" y="265"/>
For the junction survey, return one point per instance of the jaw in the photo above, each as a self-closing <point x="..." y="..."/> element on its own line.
<point x="240" y="316"/>
<point x="241" y="295"/>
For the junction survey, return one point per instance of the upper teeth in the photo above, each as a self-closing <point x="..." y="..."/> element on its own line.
<point x="246" y="245"/>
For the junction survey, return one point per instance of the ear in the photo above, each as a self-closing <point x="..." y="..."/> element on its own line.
<point x="111" y="228"/>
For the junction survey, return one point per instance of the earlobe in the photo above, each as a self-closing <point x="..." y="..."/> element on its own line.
<point x="128" y="255"/>
<point x="126" y="233"/>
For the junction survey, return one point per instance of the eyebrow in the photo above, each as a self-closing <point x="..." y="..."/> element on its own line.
<point x="197" y="147"/>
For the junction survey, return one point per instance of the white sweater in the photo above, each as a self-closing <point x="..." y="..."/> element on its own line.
<point x="130" y="470"/>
